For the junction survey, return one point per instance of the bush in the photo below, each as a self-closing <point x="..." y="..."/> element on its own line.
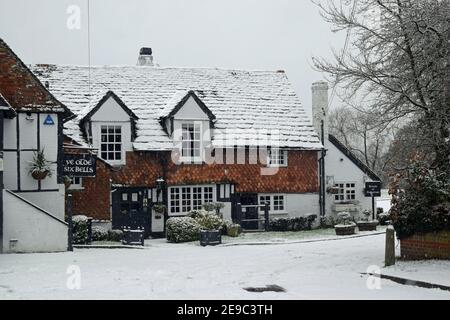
<point x="292" y="224"/>
<point x="208" y="220"/>
<point x="99" y="233"/>
<point x="182" y="229"/>
<point x="80" y="229"/>
<point x="424" y="203"/>
<point x="328" y="222"/>
<point x="383" y="218"/>
<point x="115" y="235"/>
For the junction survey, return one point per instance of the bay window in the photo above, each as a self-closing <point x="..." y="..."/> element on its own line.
<point x="184" y="199"/>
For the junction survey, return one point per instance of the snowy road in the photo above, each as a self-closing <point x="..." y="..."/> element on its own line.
<point x="315" y="270"/>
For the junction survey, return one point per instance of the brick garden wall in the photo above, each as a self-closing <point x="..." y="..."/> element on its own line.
<point x="434" y="245"/>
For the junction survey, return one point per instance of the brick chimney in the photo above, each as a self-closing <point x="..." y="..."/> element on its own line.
<point x="145" y="57"/>
<point x="320" y="107"/>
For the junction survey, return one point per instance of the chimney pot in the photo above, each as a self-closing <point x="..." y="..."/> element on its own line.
<point x="145" y="57"/>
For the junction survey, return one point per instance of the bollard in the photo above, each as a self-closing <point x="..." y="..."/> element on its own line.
<point x="389" y="258"/>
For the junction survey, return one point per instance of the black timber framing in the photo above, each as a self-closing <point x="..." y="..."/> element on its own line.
<point x="1" y="182"/>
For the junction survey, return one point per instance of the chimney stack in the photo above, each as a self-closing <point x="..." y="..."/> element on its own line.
<point x="320" y="108"/>
<point x="145" y="57"/>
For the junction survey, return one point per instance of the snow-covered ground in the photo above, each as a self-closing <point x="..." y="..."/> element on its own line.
<point x="309" y="270"/>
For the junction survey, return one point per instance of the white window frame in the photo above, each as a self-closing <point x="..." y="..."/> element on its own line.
<point x="122" y="145"/>
<point x="189" y="195"/>
<point x="273" y="158"/>
<point x="346" y="191"/>
<point x="190" y="158"/>
<point x="272" y="196"/>
<point x="76" y="183"/>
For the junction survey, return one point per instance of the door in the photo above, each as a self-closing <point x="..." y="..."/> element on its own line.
<point x="130" y="209"/>
<point x="249" y="202"/>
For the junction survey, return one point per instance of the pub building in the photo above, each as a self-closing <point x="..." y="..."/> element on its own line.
<point x="32" y="197"/>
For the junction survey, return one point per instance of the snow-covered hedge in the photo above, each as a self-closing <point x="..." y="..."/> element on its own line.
<point x="80" y="229"/>
<point x="208" y="220"/>
<point x="292" y="224"/>
<point x="182" y="229"/>
<point x="99" y="233"/>
<point x="115" y="235"/>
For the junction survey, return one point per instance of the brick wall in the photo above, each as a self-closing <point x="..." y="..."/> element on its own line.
<point x="143" y="168"/>
<point x="433" y="245"/>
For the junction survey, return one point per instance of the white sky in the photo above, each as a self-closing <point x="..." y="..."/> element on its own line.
<point x="244" y="34"/>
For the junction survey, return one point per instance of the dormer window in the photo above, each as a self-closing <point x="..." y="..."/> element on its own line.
<point x="191" y="141"/>
<point x="111" y="143"/>
<point x="277" y="158"/>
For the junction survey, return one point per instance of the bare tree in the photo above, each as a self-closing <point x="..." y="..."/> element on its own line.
<point x="397" y="64"/>
<point x="360" y="134"/>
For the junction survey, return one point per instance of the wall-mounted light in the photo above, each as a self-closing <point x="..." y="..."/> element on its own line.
<point x="29" y="116"/>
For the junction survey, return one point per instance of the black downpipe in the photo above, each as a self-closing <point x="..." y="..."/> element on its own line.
<point x="322" y="172"/>
<point x="1" y="182"/>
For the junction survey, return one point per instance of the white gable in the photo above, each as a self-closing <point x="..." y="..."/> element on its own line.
<point x="110" y="110"/>
<point x="191" y="110"/>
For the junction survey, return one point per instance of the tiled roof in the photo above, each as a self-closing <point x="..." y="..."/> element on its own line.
<point x="243" y="102"/>
<point x="20" y="87"/>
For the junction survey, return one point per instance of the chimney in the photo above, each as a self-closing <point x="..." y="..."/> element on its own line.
<point x="320" y="108"/>
<point x="145" y="57"/>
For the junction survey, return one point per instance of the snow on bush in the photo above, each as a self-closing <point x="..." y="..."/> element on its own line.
<point x="80" y="229"/>
<point x="292" y="224"/>
<point x="208" y="220"/>
<point x="115" y="235"/>
<point x="344" y="219"/>
<point x="99" y="233"/>
<point x="182" y="229"/>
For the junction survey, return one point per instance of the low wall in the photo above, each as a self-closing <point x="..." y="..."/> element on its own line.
<point x="433" y="245"/>
<point x="29" y="228"/>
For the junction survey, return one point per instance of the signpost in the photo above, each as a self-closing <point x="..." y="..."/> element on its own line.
<point x="76" y="165"/>
<point x="373" y="189"/>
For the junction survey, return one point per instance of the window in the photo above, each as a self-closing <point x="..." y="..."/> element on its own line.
<point x="276" y="203"/>
<point x="346" y="192"/>
<point x="277" y="158"/>
<point x="187" y="198"/>
<point x="76" y="183"/>
<point x="111" y="143"/>
<point x="190" y="141"/>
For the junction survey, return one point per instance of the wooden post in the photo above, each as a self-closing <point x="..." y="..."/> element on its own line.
<point x="373" y="207"/>
<point x="266" y="216"/>
<point x="69" y="221"/>
<point x="389" y="258"/>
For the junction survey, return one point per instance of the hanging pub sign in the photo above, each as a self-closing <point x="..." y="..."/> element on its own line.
<point x="372" y="189"/>
<point x="79" y="165"/>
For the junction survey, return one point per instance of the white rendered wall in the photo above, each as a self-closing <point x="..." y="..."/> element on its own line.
<point x="344" y="171"/>
<point x="34" y="230"/>
<point x="51" y="201"/>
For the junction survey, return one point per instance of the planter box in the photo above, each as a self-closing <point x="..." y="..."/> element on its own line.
<point x="433" y="245"/>
<point x="210" y="237"/>
<point x="342" y="230"/>
<point x="133" y="237"/>
<point x="367" y="225"/>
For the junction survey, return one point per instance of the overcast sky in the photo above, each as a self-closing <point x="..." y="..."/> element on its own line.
<point x="244" y="34"/>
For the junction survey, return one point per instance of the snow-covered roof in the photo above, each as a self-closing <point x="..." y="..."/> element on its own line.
<point x="243" y="102"/>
